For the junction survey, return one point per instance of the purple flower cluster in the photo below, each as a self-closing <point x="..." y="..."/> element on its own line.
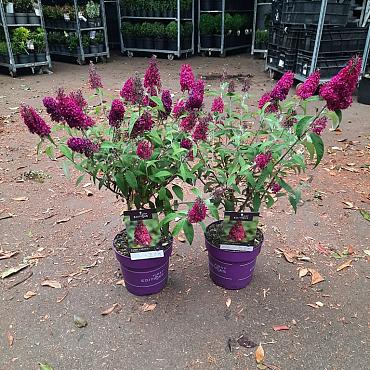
<point x="152" y="78"/>
<point x="188" y="144"/>
<point x="52" y="108"/>
<point x="309" y="87"/>
<point x="179" y="109"/>
<point x="144" y="149"/>
<point x="186" y="78"/>
<point x="167" y="101"/>
<point x="73" y="114"/>
<point x="116" y="113"/>
<point x="319" y="125"/>
<point x="218" y="105"/>
<point x="262" y="160"/>
<point x="272" y="107"/>
<point x="94" y="78"/>
<point x="142" y="235"/>
<point x="196" y="96"/>
<point x="246" y="85"/>
<point x="338" y="91"/>
<point x="34" y="122"/>
<point x="201" y="129"/>
<point x="132" y="90"/>
<point x="188" y="122"/>
<point x="143" y="123"/>
<point x="237" y="232"/>
<point x="275" y="187"/>
<point x="82" y="146"/>
<point x="198" y="212"/>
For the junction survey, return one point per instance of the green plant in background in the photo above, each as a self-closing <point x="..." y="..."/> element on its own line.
<point x="217" y="20"/>
<point x="171" y="30"/>
<point x="185" y="5"/>
<point x="23" y="6"/>
<point x="128" y="29"/>
<point x="3" y="48"/>
<point x="99" y="37"/>
<point x="262" y="36"/>
<point x="146" y="29"/>
<point x="92" y="10"/>
<point x="207" y="24"/>
<point x="159" y="30"/>
<point x="85" y="40"/>
<point x="238" y="23"/>
<point x="72" y="41"/>
<point x="186" y="29"/>
<point x="20" y="37"/>
<point x="38" y="38"/>
<point x="267" y="21"/>
<point x="229" y="23"/>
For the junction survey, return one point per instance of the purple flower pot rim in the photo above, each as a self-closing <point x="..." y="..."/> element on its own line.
<point x="231" y="251"/>
<point x="169" y="245"/>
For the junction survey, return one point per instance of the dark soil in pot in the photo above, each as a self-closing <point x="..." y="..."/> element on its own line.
<point x="129" y="42"/>
<point x="83" y="24"/>
<point x="147" y="43"/>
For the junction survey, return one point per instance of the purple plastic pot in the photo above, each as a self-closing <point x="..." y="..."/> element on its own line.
<point x="231" y="269"/>
<point x="145" y="277"/>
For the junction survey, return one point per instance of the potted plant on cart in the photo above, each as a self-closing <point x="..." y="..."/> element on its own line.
<point x="93" y="14"/>
<point x="128" y="34"/>
<point x="22" y="8"/>
<point x="147" y="34"/>
<point x="34" y="14"/>
<point x="73" y="44"/>
<point x="9" y="11"/>
<point x="363" y="96"/>
<point x="94" y="49"/>
<point x="20" y="39"/>
<point x="100" y="41"/>
<point x="39" y="42"/>
<point x="171" y="33"/>
<point x="159" y="33"/>
<point x="86" y="43"/>
<point x="136" y="153"/>
<point x="4" y="56"/>
<point x="248" y="159"/>
<point x="207" y="29"/>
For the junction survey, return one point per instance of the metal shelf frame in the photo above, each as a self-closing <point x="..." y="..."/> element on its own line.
<point x="320" y="27"/>
<point x="170" y="53"/>
<point x="81" y="56"/>
<point x="255" y="14"/>
<point x="12" y="65"/>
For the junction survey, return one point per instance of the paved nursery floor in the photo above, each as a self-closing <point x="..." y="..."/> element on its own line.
<point x="188" y="325"/>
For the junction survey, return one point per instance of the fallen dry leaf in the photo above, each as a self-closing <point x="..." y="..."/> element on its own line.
<point x="350" y="249"/>
<point x="312" y="305"/>
<point x="109" y="310"/>
<point x="148" y="307"/>
<point x="315" y="277"/>
<point x="302" y="272"/>
<point x="52" y="283"/>
<point x="29" y="294"/>
<point x="121" y="282"/>
<point x="13" y="270"/>
<point x="319" y="304"/>
<point x="6" y="255"/>
<point x="260" y="354"/>
<point x="228" y="302"/>
<point x="20" y="199"/>
<point x="349" y="205"/>
<point x="10" y="338"/>
<point x="344" y="265"/>
<point x="89" y="193"/>
<point x="280" y="327"/>
<point x="289" y="256"/>
<point x="61" y="299"/>
<point x="63" y="220"/>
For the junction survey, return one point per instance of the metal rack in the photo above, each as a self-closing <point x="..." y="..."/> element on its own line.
<point x="12" y="65"/>
<point x="170" y="53"/>
<point x="81" y="55"/>
<point x="255" y="15"/>
<point x="222" y="49"/>
<point x="320" y="27"/>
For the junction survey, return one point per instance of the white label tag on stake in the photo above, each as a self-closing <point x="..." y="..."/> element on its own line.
<point x="146" y="255"/>
<point x="92" y="34"/>
<point x="281" y="63"/>
<point x="66" y="17"/>
<point x="240" y="248"/>
<point x="80" y="16"/>
<point x="30" y="45"/>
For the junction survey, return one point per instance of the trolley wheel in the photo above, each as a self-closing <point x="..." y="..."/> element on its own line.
<point x="130" y="54"/>
<point x="79" y="62"/>
<point x="223" y="55"/>
<point x="13" y="73"/>
<point x="170" y="56"/>
<point x="209" y="53"/>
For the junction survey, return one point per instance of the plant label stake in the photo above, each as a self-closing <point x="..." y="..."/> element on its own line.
<point x="143" y="234"/>
<point x="239" y="231"/>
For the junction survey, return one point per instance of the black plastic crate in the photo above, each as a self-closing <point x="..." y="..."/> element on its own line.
<point x="287" y="59"/>
<point x="308" y="12"/>
<point x="276" y="10"/>
<point x="285" y="36"/>
<point x="329" y="64"/>
<point x="272" y="56"/>
<point x="335" y="39"/>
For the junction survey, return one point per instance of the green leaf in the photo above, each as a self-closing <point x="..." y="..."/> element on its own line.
<point x="189" y="231"/>
<point x="65" y="166"/>
<point x="131" y="179"/>
<point x="269" y="201"/>
<point x="213" y="209"/>
<point x="120" y="182"/>
<point x="170" y="217"/>
<point x="196" y="192"/>
<point x="319" y="147"/>
<point x="294" y="199"/>
<point x="338" y="112"/>
<point x="159" y="103"/>
<point x="79" y="180"/>
<point x="178" y="227"/>
<point x="45" y="366"/>
<point x="162" y="193"/>
<point x="303" y="125"/>
<point x="365" y="214"/>
<point x="66" y="151"/>
<point x="310" y="148"/>
<point x="49" y="151"/>
<point x="163" y="174"/>
<point x="256" y="203"/>
<point x="13" y="270"/>
<point x="178" y="191"/>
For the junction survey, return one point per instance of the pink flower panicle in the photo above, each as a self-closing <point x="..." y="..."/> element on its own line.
<point x="338" y="91"/>
<point x="319" y="125"/>
<point x="167" y="101"/>
<point x="218" y="105"/>
<point x="275" y="187"/>
<point x="52" y="108"/>
<point x="281" y="89"/>
<point x="34" y="122"/>
<point x="116" y="113"/>
<point x="309" y="87"/>
<point x="143" y="124"/>
<point x="127" y="91"/>
<point x="94" y="78"/>
<point x="186" y="78"/>
<point x="196" y="96"/>
<point x="152" y="78"/>
<point x="188" y="122"/>
<point x="144" y="150"/>
<point x="179" y="109"/>
<point x="78" y="98"/>
<point x="188" y="144"/>
<point x="82" y="146"/>
<point x="201" y="129"/>
<point x="73" y="114"/>
<point x="262" y="160"/>
<point x="237" y="232"/>
<point x="272" y="107"/>
<point x="142" y="235"/>
<point x="198" y="212"/>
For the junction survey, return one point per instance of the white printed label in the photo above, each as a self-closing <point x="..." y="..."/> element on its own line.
<point x="66" y="17"/>
<point x="92" y="34"/>
<point x="281" y="63"/>
<point x="80" y="16"/>
<point x="146" y="255"/>
<point x="30" y="45"/>
<point x="240" y="248"/>
<point x="37" y="11"/>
